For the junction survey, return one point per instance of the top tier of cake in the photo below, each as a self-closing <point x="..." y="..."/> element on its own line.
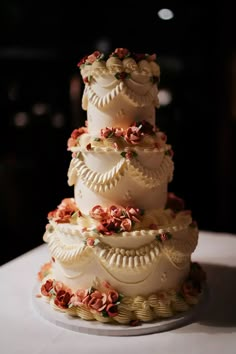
<point x="120" y="89"/>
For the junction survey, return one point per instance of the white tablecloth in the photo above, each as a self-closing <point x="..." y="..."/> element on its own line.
<point x="24" y="330"/>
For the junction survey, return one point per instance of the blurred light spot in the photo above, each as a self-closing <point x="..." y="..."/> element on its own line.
<point x="165" y="97"/>
<point x="58" y="120"/>
<point x="21" y="119"/>
<point x="165" y="14"/>
<point x="103" y="44"/>
<point x="40" y="108"/>
<point x="75" y="88"/>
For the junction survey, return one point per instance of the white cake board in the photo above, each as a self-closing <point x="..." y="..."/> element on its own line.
<point x="105" y="329"/>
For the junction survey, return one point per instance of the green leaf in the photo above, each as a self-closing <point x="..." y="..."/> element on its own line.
<point x="96" y="241"/>
<point x="91" y="290"/>
<point x="120" y="297"/>
<point x="74" y="215"/>
<point x="104" y="313"/>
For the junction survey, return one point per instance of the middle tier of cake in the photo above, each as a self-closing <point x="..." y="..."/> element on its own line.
<point x="105" y="176"/>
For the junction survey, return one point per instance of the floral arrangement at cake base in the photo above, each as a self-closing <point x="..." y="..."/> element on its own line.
<point x="103" y="303"/>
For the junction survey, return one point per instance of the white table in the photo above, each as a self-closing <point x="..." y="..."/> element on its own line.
<point x="23" y="330"/>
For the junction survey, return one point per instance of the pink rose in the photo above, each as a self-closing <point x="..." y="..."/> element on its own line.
<point x="82" y="61"/>
<point x="133" y="135"/>
<point x="105" y="228"/>
<point x="112" y="296"/>
<point x="97" y="301"/>
<point x="58" y="286"/>
<point x="78" y="297"/>
<point x="175" y="203"/>
<point x="107" y="132"/>
<point x="77" y="132"/>
<point x="112" y="310"/>
<point x="63" y="298"/>
<point x="119" y="132"/>
<point x="71" y="142"/>
<point x="47" y="287"/>
<point x="152" y="57"/>
<point x="92" y="57"/>
<point x="67" y="203"/>
<point x="126" y="224"/>
<point x="86" y="300"/>
<point x="64" y="211"/>
<point x="115" y="211"/>
<point x="98" y="213"/>
<point x="121" y="53"/>
<point x="134" y="213"/>
<point x="145" y="127"/>
<point x="129" y="155"/>
<point x="52" y="214"/>
<point x="90" y="241"/>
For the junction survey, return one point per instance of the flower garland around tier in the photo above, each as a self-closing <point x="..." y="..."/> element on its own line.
<point x="136" y="134"/>
<point x="103" y="301"/>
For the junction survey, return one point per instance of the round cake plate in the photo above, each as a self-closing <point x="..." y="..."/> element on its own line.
<point x="76" y="324"/>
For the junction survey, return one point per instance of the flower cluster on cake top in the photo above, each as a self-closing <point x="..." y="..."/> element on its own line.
<point x="121" y="62"/>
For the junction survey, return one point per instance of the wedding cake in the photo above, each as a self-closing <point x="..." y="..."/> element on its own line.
<point x="120" y="248"/>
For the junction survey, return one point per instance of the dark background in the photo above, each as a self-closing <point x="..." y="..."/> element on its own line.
<point x="40" y="92"/>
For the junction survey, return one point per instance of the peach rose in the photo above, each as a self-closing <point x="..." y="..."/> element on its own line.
<point x="78" y="297"/>
<point x="47" y="287"/>
<point x="62" y="298"/>
<point x="112" y="310"/>
<point x="133" y="135"/>
<point x="92" y="57"/>
<point x="112" y="296"/>
<point x="98" y="213"/>
<point x="121" y="53"/>
<point x="134" y="213"/>
<point x="152" y="57"/>
<point x="126" y="224"/>
<point x="97" y="301"/>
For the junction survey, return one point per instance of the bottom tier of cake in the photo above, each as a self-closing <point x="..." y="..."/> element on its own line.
<point x="105" y="304"/>
<point x="120" y="264"/>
